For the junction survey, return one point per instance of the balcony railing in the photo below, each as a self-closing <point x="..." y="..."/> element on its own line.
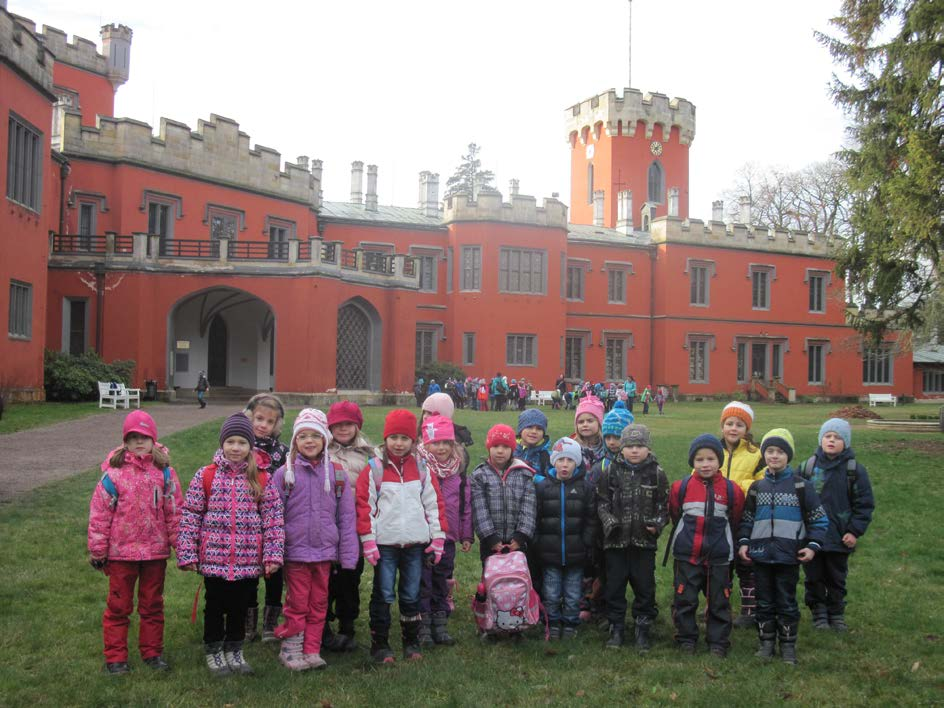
<point x="190" y="248"/>
<point x="258" y="250"/>
<point x="69" y="243"/>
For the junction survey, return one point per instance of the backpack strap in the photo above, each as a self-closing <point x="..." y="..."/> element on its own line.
<point x="376" y="472"/>
<point x="852" y="476"/>
<point x="730" y="503"/>
<point x="805" y="470"/>
<point x="109" y="486"/>
<point x="209" y="472"/>
<point x="800" y="486"/>
<point x="683" y="487"/>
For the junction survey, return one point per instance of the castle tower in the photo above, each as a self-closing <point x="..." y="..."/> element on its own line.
<point x="637" y="142"/>
<point x="116" y="46"/>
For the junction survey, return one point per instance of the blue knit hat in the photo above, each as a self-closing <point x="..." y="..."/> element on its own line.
<point x="529" y="417"/>
<point x="840" y="427"/>
<point x="617" y="419"/>
<point x="709" y="442"/>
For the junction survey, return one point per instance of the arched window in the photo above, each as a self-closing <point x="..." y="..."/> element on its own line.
<point x="590" y="183"/>
<point x="656" y="183"/>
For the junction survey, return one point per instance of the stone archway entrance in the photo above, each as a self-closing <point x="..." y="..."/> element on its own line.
<point x="358" y="353"/>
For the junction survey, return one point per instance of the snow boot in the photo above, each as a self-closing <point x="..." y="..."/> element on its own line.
<point x="380" y="650"/>
<point x="425" y="636"/>
<point x="788" y="639"/>
<point x="616" y="637"/>
<point x="820" y="617"/>
<point x="410" y="629"/>
<point x="643" y="628"/>
<point x="440" y="631"/>
<point x="291" y="654"/>
<point x="270" y="620"/>
<point x="767" y="633"/>
<point x="746" y="619"/>
<point x="216" y="661"/>
<point x="838" y="623"/>
<point x="252" y="624"/>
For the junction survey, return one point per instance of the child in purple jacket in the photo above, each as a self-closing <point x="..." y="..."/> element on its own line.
<point x="448" y="462"/>
<point x="320" y="529"/>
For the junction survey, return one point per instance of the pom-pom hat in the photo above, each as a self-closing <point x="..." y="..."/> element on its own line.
<point x="590" y="404"/>
<point x="617" y="419"/>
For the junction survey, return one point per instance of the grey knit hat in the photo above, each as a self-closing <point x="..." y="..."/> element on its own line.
<point x="635" y="434"/>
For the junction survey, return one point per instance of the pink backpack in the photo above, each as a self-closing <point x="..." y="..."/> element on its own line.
<point x="506" y="602"/>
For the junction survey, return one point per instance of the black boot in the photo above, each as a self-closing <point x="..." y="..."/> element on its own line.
<point x="380" y="650"/>
<point x="788" y="640"/>
<point x="270" y="620"/>
<point x="329" y="640"/>
<point x="440" y="629"/>
<point x="615" y="640"/>
<point x="410" y="628"/>
<point x="767" y="633"/>
<point x="643" y="628"/>
<point x="820" y="617"/>
<point x="344" y="639"/>
<point x="425" y="637"/>
<point x="252" y="624"/>
<point x="838" y="623"/>
<point x="748" y="606"/>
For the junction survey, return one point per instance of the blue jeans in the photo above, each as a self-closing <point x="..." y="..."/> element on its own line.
<point x="409" y="562"/>
<point x="566" y="581"/>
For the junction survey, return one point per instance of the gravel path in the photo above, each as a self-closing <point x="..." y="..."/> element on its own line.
<point x="26" y="462"/>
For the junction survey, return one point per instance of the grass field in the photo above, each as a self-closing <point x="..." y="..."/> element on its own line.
<point x="21" y="416"/>
<point x="50" y="627"/>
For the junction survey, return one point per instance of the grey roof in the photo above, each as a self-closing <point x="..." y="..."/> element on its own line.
<point x="929" y="354"/>
<point x="600" y="234"/>
<point x="348" y="211"/>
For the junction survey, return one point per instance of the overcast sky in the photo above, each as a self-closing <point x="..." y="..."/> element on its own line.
<point x="408" y="85"/>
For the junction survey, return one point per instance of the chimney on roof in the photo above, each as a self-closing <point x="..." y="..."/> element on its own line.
<point x="674" y="201"/>
<point x="513" y="187"/>
<point x="370" y="201"/>
<point x="717" y="210"/>
<point x="302" y="161"/>
<point x="744" y="210"/>
<point x="624" y="211"/>
<point x="357" y="182"/>
<point x="429" y="193"/>
<point x="598" y="195"/>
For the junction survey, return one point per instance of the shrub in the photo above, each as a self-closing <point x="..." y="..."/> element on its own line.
<point x="440" y="370"/>
<point x="70" y="377"/>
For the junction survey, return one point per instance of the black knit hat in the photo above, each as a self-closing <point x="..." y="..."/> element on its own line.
<point x="706" y="441"/>
<point x="238" y="424"/>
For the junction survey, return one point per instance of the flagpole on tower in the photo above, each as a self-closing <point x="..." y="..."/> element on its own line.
<point x="630" y="84"/>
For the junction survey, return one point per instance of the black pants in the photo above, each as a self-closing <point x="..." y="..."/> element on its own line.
<point x="344" y="596"/>
<point x="273" y="590"/>
<point x="224" y="609"/>
<point x="637" y="566"/>
<point x="776" y="592"/>
<point x="826" y="581"/>
<point x="691" y="581"/>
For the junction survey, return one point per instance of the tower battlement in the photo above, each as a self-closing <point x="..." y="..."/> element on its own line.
<point x="695" y="232"/>
<point x="218" y="150"/>
<point x="522" y="209"/>
<point x="20" y="46"/>
<point x="80" y="52"/>
<point x="620" y="114"/>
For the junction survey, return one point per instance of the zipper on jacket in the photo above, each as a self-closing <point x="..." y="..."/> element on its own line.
<point x="232" y="529"/>
<point x="563" y="501"/>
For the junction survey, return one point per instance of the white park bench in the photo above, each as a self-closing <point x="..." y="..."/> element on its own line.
<point x="545" y="397"/>
<point x="133" y="395"/>
<point x="876" y="398"/>
<point x="109" y="397"/>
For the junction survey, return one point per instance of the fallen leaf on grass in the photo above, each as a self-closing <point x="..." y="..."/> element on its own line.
<point x="787" y="696"/>
<point x="931" y="637"/>
<point x="915" y="666"/>
<point x="325" y="703"/>
<point x="673" y="696"/>
<point x="581" y="693"/>
<point x="711" y="674"/>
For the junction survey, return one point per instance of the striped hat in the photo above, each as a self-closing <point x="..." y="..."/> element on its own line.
<point x="740" y="410"/>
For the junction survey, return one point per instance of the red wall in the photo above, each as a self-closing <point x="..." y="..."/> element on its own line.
<point x="96" y="94"/>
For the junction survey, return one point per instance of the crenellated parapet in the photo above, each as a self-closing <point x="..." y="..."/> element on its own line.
<point x="619" y="115"/>
<point x="522" y="209"/>
<point x="25" y="51"/>
<point x="695" y="232"/>
<point x="218" y="150"/>
<point x="80" y="52"/>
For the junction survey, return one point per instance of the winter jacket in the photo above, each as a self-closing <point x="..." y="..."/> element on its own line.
<point x="567" y="520"/>
<point x="706" y="520"/>
<point x="140" y="521"/>
<point x="230" y="535"/>
<point x="630" y="498"/>
<point x="319" y="526"/>
<point x="600" y="466"/>
<point x="538" y="458"/>
<point x="351" y="458"/>
<point x="275" y="449"/>
<point x="456" y="491"/>
<point x="776" y="523"/>
<point x="504" y="508"/>
<point x="847" y="514"/>
<point x="591" y="455"/>
<point x="744" y="466"/>
<point x="405" y="511"/>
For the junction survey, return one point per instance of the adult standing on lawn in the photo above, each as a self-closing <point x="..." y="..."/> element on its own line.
<point x="630" y="387"/>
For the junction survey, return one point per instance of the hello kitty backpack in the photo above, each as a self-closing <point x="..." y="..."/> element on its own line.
<point x="505" y="602"/>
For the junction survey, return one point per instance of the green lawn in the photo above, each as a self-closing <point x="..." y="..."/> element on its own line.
<point x="50" y="634"/>
<point x="21" y="416"/>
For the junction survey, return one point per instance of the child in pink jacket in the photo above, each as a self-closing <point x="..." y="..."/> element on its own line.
<point x="133" y="520"/>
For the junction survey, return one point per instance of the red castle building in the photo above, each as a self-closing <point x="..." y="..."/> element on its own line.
<point x="191" y="250"/>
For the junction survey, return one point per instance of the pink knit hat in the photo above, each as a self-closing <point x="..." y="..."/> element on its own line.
<point x="440" y="403"/>
<point x="141" y="423"/>
<point x="592" y="405"/>
<point x="437" y="427"/>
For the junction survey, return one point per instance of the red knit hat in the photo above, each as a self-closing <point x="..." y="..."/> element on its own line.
<point x="400" y="422"/>
<point x="500" y="434"/>
<point x="345" y="412"/>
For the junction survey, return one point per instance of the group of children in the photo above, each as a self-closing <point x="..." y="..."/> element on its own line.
<point x="587" y="511"/>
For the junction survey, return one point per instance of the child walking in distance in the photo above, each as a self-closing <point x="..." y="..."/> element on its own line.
<point x="319" y="530"/>
<point x="565" y="534"/>
<point x="349" y="450"/>
<point x="267" y="415"/>
<point x="743" y="464"/>
<point x="133" y="520"/>
<point x="784" y="525"/>
<point x="504" y="506"/>
<point x="447" y="462"/>
<point x="632" y="506"/>
<point x="705" y="510"/>
<point x="844" y="488"/>
<point x="230" y="532"/>
<point x="400" y="518"/>
<point x="203" y="385"/>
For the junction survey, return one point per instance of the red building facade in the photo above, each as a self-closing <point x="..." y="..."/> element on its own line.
<point x="194" y="250"/>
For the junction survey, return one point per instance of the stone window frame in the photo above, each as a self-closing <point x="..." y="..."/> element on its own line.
<point x="20" y="311"/>
<point x="421" y="252"/>
<point x="698" y="341"/>
<point x="710" y="269"/>
<point x="222" y="211"/>
<point x="825" y="348"/>
<point x="468" y="344"/>
<point x="825" y="278"/>
<point x="611" y="335"/>
<point x="874" y="357"/>
<point x="507" y="273"/>
<point x="436" y="330"/>
<point x="770" y="273"/>
<point x="624" y="269"/>
<point x="471" y="281"/>
<point x="511" y="340"/>
<point x="586" y="341"/>
<point x="582" y="267"/>
<point x="25" y="156"/>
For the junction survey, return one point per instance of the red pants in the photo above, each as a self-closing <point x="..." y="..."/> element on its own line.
<point x="306" y="603"/>
<point x="122" y="576"/>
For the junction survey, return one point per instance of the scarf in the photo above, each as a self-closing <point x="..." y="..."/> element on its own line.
<point x="219" y="459"/>
<point x="441" y="469"/>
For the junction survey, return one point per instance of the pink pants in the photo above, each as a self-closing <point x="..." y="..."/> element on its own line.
<point x="306" y="603"/>
<point x="122" y="576"/>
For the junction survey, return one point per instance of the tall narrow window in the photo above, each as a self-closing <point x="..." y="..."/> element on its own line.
<point x="573" y="356"/>
<point x="20" y="313"/>
<point x="425" y="347"/>
<point x="698" y="276"/>
<point x="471" y="268"/>
<point x="616" y="286"/>
<point x="815" y="363"/>
<point x="468" y="348"/>
<point x="427" y="266"/>
<point x="575" y="282"/>
<point x="590" y="183"/>
<point x="742" y="376"/>
<point x="24" y="163"/>
<point x="656" y="183"/>
<point x="760" y="288"/>
<point x="698" y="351"/>
<point x="877" y="365"/>
<point x="615" y="359"/>
<point x="817" y="293"/>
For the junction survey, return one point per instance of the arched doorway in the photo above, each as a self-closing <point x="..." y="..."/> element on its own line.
<point x="358" y="353"/>
<point x="216" y="352"/>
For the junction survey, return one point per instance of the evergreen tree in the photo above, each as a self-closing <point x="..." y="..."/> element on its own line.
<point x="892" y="52"/>
<point x="469" y="176"/>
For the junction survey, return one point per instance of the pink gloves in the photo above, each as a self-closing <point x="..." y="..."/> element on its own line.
<point x="371" y="552"/>
<point x="436" y="547"/>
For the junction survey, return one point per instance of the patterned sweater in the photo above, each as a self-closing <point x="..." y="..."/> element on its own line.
<point x="230" y="535"/>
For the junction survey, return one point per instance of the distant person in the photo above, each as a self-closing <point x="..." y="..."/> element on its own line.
<point x="203" y="385"/>
<point x="630" y="387"/>
<point x="433" y="387"/>
<point x="660" y="397"/>
<point x="646" y="397"/>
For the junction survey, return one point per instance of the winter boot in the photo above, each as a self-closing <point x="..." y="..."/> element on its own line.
<point x="270" y="620"/>
<point x="216" y="661"/>
<point x="157" y="663"/>
<point x="380" y="650"/>
<point x="425" y="636"/>
<point x="554" y="633"/>
<point x="616" y="639"/>
<point x="820" y="617"/>
<point x="788" y="640"/>
<point x="116" y="668"/>
<point x="746" y="619"/>
<point x="569" y="632"/>
<point x="314" y="661"/>
<point x="345" y="637"/>
<point x="838" y="623"/>
<point x="767" y="633"/>
<point x="252" y="624"/>
<point x="329" y="640"/>
<point x="291" y="654"/>
<point x="643" y="628"/>
<point x="439" y="629"/>
<point x="233" y="654"/>
<point x="410" y="628"/>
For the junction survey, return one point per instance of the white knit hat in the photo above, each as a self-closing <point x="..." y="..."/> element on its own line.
<point x="308" y="419"/>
